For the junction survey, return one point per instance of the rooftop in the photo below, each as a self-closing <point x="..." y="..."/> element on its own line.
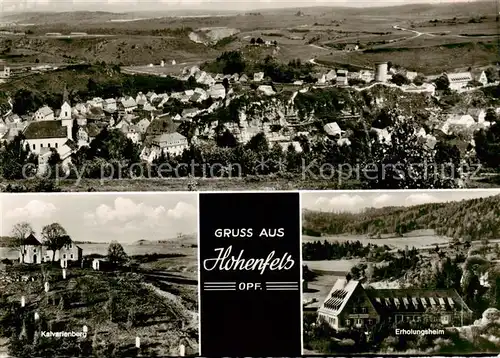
<point x="45" y="130"/>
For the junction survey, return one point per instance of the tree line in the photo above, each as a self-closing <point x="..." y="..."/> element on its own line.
<point x="468" y="220"/>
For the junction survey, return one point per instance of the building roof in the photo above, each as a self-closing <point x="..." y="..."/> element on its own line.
<point x="129" y="102"/>
<point x="169" y="139"/>
<point x="339" y="295"/>
<point x="459" y="77"/>
<point x="415" y="300"/>
<point x="92" y="129"/>
<point x="45" y="130"/>
<point x="45" y="110"/>
<point x="31" y="240"/>
<point x="332" y="128"/>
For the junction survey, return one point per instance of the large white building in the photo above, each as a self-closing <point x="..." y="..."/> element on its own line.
<point x="44" y="113"/>
<point x="46" y="134"/>
<point x="459" y="80"/>
<point x="35" y="252"/>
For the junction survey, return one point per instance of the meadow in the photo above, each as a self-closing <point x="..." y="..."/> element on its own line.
<point x="418" y="242"/>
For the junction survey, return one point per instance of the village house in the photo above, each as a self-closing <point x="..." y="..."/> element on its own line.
<point x="350" y="305"/>
<point x="86" y="134"/>
<point x="66" y="112"/>
<point x="320" y="79"/>
<point x="141" y="100"/>
<point x="235" y="78"/>
<point x="243" y="78"/>
<point x="44" y="113"/>
<point x="480" y="76"/>
<point x="258" y="76"/>
<point x="342" y="78"/>
<point x="132" y="132"/>
<point x="5" y="73"/>
<point x="127" y="105"/>
<point x="331" y="76"/>
<point x="110" y="105"/>
<point x="411" y="75"/>
<point x="367" y="75"/>
<point x="80" y="109"/>
<point x="267" y="90"/>
<point x="219" y="77"/>
<point x="459" y="80"/>
<point x="35" y="252"/>
<point x="170" y="143"/>
<point x="217" y="91"/>
<point x="332" y="129"/>
<point x="148" y="107"/>
<point x="204" y="78"/>
<point x="96" y="102"/>
<point x="189" y="113"/>
<point x="351" y="47"/>
<point x="151" y="95"/>
<point x="426" y="88"/>
<point x="143" y="125"/>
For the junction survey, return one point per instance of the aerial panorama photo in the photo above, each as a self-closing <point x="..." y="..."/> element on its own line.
<point x="167" y="95"/>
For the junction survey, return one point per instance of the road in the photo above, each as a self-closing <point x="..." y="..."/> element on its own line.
<point x="319" y="47"/>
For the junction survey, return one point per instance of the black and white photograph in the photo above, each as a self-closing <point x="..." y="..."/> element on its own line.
<point x="210" y="95"/>
<point x="401" y="272"/>
<point x="89" y="275"/>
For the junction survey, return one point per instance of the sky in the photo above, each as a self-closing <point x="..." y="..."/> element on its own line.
<point x="124" y="5"/>
<point x="104" y="217"/>
<point x="356" y="202"/>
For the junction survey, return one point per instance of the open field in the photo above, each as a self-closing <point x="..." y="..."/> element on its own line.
<point x="335" y="267"/>
<point x="417" y="242"/>
<point x="140" y="39"/>
<point x="319" y="288"/>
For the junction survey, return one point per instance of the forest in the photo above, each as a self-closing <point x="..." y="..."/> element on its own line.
<point x="467" y="220"/>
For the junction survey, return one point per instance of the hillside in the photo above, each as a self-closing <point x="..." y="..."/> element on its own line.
<point x="126" y="49"/>
<point x="6" y="241"/>
<point x="83" y="82"/>
<point x="475" y="219"/>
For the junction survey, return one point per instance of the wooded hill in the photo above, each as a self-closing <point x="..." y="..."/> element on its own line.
<point x="475" y="219"/>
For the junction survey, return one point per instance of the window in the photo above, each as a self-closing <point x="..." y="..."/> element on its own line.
<point x="370" y="321"/>
<point x="364" y="310"/>
<point x="354" y="310"/>
<point x="445" y="319"/>
<point x="359" y="321"/>
<point x="34" y="249"/>
<point x="64" y="256"/>
<point x="41" y="145"/>
<point x="34" y="146"/>
<point x="57" y="145"/>
<point x="48" y="145"/>
<point x="347" y="322"/>
<point x="71" y="256"/>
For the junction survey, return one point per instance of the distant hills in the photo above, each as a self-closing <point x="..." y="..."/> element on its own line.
<point x="6" y="241"/>
<point x="95" y="11"/>
<point x="475" y="219"/>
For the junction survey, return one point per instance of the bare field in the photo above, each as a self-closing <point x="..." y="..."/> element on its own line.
<point x="427" y="60"/>
<point x="417" y="242"/>
<point x="337" y="266"/>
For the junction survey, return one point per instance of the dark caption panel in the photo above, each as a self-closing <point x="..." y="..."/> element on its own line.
<point x="250" y="274"/>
